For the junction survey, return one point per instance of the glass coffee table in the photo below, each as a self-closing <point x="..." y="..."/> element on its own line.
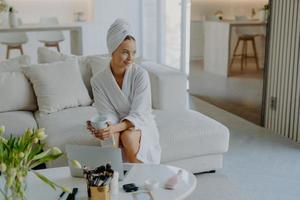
<point x="36" y="189"/>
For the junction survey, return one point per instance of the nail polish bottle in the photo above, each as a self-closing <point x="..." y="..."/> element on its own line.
<point x="173" y="181"/>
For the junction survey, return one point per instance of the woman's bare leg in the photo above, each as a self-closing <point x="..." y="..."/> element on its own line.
<point x="131" y="142"/>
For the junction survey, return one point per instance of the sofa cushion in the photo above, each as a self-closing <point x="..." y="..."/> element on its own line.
<point x="46" y="55"/>
<point x="57" y="86"/>
<point x="188" y="134"/>
<point x="67" y="127"/>
<point x="16" y="122"/>
<point x="16" y="91"/>
<point x="14" y="64"/>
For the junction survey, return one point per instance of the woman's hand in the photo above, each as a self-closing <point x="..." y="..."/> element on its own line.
<point x="102" y="134"/>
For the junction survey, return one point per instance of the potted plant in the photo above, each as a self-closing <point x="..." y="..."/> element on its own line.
<point x="18" y="156"/>
<point x="264" y="12"/>
<point x="219" y="14"/>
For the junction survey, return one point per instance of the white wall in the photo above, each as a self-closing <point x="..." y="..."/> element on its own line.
<point x="31" y="10"/>
<point x="230" y="8"/>
<point x="197" y="40"/>
<point x="150" y="29"/>
<point x="142" y="14"/>
<point x="105" y="12"/>
<point x="99" y="13"/>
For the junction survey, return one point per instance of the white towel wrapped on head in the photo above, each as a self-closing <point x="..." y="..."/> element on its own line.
<point x="116" y="34"/>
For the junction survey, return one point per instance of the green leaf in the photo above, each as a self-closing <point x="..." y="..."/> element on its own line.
<point x="41" y="155"/>
<point x="45" y="179"/>
<point x="44" y="160"/>
<point x="35" y="150"/>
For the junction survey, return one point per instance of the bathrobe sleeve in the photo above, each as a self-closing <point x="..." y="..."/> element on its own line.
<point x="141" y="102"/>
<point x="102" y="102"/>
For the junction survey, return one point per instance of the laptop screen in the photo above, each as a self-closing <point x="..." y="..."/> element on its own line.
<point x="94" y="156"/>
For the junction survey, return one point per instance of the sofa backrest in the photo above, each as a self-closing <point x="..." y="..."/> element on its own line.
<point x="168" y="86"/>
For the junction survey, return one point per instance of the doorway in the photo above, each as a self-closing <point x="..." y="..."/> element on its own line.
<point x="240" y="92"/>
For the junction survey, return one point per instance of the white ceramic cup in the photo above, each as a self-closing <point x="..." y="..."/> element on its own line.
<point x="99" y="121"/>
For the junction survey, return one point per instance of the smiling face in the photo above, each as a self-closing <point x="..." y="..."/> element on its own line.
<point x="124" y="55"/>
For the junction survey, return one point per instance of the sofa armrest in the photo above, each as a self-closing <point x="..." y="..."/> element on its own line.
<point x="168" y="86"/>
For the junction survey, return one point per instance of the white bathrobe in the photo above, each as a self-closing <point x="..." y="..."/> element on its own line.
<point x="132" y="102"/>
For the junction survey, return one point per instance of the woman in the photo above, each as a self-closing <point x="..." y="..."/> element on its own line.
<point x="122" y="93"/>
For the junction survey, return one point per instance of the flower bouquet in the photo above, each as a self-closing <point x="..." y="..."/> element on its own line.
<point x="18" y="156"/>
<point x="264" y="12"/>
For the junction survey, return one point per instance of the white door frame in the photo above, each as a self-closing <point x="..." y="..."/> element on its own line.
<point x="185" y="36"/>
<point x="161" y="24"/>
<point x="185" y="33"/>
<point x="141" y="44"/>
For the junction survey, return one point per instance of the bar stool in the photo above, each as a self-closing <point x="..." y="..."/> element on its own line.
<point x="50" y="38"/>
<point x="245" y="34"/>
<point x="14" y="40"/>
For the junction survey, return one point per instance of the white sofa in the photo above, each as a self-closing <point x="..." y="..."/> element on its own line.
<point x="188" y="139"/>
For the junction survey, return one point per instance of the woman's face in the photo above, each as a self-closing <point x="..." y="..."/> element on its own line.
<point x="124" y="55"/>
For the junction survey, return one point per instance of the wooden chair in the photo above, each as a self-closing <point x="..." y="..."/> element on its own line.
<point x="50" y="38"/>
<point x="245" y="34"/>
<point x="13" y="41"/>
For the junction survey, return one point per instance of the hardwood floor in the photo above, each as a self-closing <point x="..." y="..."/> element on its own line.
<point x="241" y="93"/>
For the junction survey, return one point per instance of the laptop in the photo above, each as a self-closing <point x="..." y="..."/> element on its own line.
<point x="94" y="156"/>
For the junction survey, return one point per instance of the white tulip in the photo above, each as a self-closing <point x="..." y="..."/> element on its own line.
<point x="55" y="151"/>
<point x="28" y="132"/>
<point x="3" y="167"/>
<point x="41" y="134"/>
<point x="3" y="140"/>
<point x="35" y="140"/>
<point x="76" y="164"/>
<point x="21" y="154"/>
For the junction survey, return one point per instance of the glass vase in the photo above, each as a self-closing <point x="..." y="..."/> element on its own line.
<point x="17" y="191"/>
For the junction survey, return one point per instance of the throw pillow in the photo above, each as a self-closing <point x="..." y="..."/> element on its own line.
<point x="98" y="63"/>
<point x="57" y="86"/>
<point x="16" y="92"/>
<point x="46" y="55"/>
